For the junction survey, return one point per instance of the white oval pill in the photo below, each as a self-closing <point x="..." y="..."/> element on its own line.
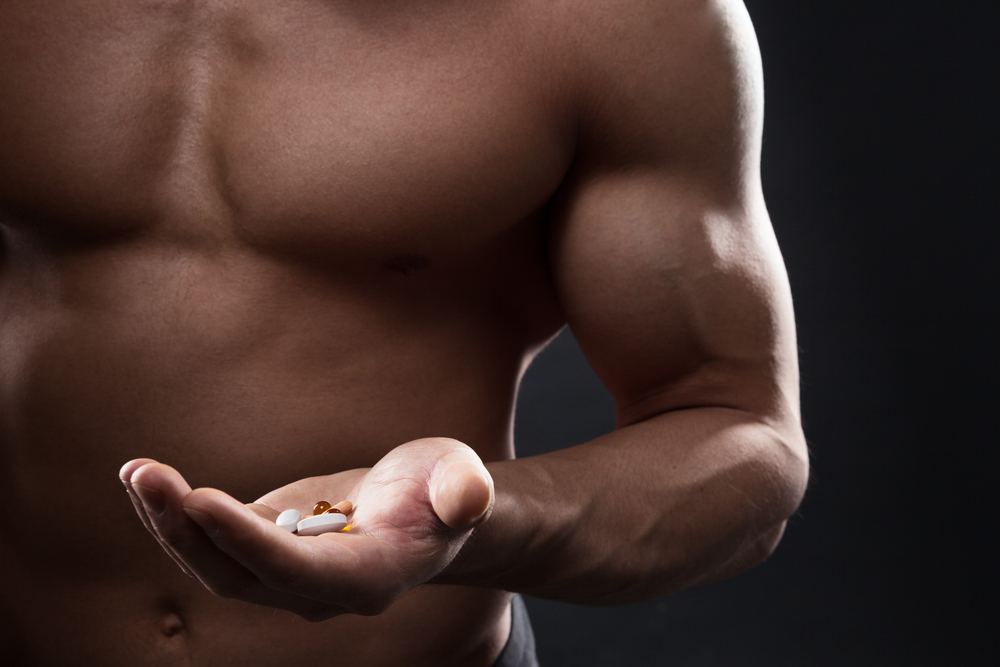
<point x="322" y="523"/>
<point x="288" y="520"/>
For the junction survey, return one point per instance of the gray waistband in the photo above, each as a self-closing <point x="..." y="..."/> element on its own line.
<point x="520" y="648"/>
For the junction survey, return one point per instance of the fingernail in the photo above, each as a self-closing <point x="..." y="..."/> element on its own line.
<point x="203" y="519"/>
<point x="152" y="500"/>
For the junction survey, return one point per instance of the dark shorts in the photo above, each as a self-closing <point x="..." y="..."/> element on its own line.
<point x="520" y="648"/>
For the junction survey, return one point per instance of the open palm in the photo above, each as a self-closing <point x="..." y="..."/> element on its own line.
<point x="414" y="510"/>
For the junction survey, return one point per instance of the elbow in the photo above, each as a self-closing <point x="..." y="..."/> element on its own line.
<point x="794" y="473"/>
<point x="782" y="474"/>
<point x="754" y="553"/>
<point x="788" y="479"/>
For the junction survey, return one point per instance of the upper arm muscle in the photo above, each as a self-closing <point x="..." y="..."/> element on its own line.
<point x="662" y="251"/>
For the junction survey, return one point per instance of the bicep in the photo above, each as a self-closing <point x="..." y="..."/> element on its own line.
<point x="674" y="303"/>
<point x="662" y="251"/>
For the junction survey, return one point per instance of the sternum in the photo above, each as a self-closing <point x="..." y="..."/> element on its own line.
<point x="192" y="189"/>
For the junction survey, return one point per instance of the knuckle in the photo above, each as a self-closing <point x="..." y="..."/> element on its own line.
<point x="316" y="613"/>
<point x="229" y="588"/>
<point x="284" y="580"/>
<point x="372" y="601"/>
<point x="436" y="442"/>
<point x="169" y="533"/>
<point x="371" y="606"/>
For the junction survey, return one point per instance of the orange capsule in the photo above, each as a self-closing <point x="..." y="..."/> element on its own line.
<point x="321" y="507"/>
<point x="343" y="507"/>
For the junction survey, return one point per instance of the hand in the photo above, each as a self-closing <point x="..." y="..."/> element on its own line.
<point x="415" y="509"/>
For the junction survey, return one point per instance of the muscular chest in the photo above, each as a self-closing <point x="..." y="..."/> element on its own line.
<point x="294" y="125"/>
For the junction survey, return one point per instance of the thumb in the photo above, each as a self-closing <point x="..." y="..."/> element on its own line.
<point x="461" y="489"/>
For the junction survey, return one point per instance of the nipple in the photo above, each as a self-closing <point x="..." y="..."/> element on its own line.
<point x="407" y="264"/>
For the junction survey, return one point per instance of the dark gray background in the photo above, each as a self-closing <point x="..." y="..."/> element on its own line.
<point x="880" y="173"/>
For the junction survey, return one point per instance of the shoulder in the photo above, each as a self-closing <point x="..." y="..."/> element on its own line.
<point x="649" y="31"/>
<point x="666" y="83"/>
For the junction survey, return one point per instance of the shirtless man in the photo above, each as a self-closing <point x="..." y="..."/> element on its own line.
<point x="311" y="246"/>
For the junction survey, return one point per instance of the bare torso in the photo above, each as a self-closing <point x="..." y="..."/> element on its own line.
<point x="259" y="241"/>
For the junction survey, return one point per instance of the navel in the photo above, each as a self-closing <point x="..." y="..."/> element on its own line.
<point x="172" y="625"/>
<point x="170" y="643"/>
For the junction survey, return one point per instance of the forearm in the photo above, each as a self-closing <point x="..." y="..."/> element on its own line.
<point x="680" y="499"/>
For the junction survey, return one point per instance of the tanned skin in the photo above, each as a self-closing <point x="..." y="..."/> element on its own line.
<point x="304" y="249"/>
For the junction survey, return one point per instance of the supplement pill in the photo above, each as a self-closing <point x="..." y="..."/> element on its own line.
<point x="288" y="520"/>
<point x="321" y="523"/>
<point x="321" y="507"/>
<point x="343" y="507"/>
